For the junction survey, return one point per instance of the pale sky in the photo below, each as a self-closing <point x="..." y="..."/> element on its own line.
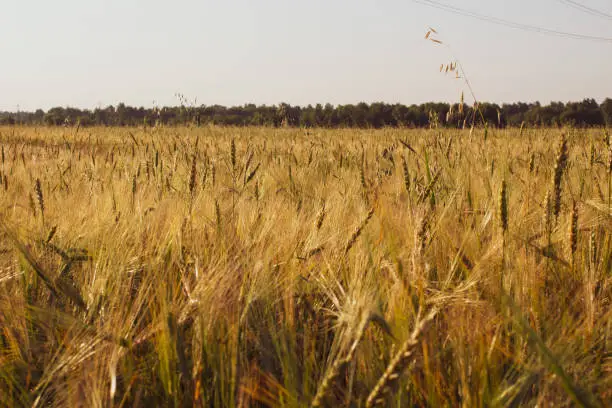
<point x="89" y="53"/>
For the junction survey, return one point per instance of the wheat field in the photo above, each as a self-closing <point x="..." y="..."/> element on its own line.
<point x="287" y="267"/>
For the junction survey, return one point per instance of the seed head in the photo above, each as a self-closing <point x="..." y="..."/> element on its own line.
<point x="503" y="206"/>
<point x="39" y="196"/>
<point x="548" y="210"/>
<point x="573" y="230"/>
<point x="559" y="167"/>
<point x="192" y="176"/>
<point x="233" y="154"/>
<point x="406" y="175"/>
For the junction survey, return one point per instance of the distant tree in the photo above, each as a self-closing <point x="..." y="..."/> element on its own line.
<point x="55" y="116"/>
<point x="606" y="111"/>
<point x="308" y="117"/>
<point x="330" y="116"/>
<point x="38" y="117"/>
<point x="7" y="120"/>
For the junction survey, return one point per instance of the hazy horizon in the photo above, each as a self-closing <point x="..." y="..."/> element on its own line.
<point x="69" y="53"/>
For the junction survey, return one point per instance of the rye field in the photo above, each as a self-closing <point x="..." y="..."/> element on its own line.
<point x="222" y="267"/>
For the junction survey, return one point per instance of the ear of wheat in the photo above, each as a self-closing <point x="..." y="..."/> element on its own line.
<point x="573" y="232"/>
<point x="560" y="165"/>
<point x="406" y="175"/>
<point x="320" y="216"/>
<point x="358" y="231"/>
<point x="40" y="198"/>
<point x="192" y="176"/>
<point x="503" y="207"/>
<point x="399" y="362"/>
<point x="233" y="155"/>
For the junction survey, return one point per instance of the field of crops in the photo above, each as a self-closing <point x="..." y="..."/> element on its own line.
<point x="288" y="267"/>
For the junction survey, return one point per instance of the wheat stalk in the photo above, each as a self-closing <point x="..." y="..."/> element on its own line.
<point x="560" y="165"/>
<point x="428" y="190"/>
<point x="32" y="204"/>
<point x="218" y="214"/>
<point x="320" y="217"/>
<point x="399" y="362"/>
<point x="339" y="366"/>
<point x="593" y="248"/>
<point x="362" y="178"/>
<point x="406" y="175"/>
<point x="421" y="233"/>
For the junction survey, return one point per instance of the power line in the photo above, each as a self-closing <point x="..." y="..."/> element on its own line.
<point x="507" y="23"/>
<point x="586" y="9"/>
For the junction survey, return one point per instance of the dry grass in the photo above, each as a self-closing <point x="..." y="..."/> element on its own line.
<point x="270" y="267"/>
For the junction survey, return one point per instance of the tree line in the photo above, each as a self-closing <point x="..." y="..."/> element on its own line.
<point x="362" y="115"/>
